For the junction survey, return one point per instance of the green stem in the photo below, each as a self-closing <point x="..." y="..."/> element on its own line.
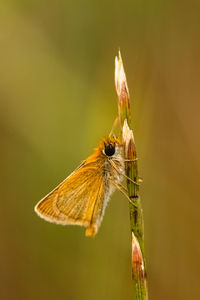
<point x="136" y="214"/>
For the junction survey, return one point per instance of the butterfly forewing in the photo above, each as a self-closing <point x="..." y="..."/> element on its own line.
<point x="77" y="200"/>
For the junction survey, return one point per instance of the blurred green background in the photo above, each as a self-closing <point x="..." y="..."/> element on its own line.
<point x="57" y="100"/>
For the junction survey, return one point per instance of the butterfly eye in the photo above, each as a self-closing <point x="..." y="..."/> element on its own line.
<point x="109" y="149"/>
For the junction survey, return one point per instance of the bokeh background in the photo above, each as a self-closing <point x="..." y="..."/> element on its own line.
<point x="57" y="100"/>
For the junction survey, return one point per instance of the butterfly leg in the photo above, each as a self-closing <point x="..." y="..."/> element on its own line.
<point x="124" y="191"/>
<point x="133" y="181"/>
<point x="135" y="159"/>
<point x="116" y="169"/>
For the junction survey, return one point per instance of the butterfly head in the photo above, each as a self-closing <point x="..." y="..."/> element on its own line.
<point x="111" y="147"/>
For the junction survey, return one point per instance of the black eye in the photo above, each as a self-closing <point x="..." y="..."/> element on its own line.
<point x="109" y="150"/>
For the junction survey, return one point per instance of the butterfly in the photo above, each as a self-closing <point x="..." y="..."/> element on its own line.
<point x="82" y="197"/>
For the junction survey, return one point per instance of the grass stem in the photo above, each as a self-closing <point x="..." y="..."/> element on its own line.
<point x="131" y="163"/>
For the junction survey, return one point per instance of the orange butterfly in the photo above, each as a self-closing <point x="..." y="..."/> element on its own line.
<point x="82" y="197"/>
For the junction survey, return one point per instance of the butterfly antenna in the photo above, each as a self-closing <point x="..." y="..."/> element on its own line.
<point x="116" y="122"/>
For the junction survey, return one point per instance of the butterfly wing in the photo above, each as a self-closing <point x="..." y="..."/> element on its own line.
<point x="78" y="200"/>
